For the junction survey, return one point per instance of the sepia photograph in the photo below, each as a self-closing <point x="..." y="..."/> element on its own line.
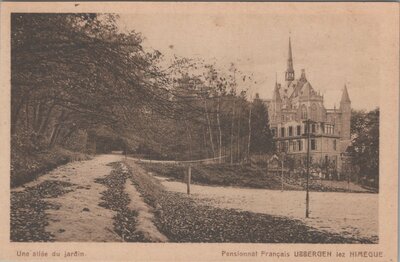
<point x="182" y="126"/>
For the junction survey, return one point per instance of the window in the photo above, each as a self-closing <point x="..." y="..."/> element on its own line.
<point x="283" y="117"/>
<point x="303" y="112"/>
<point x="282" y="131"/>
<point x="314" y="111"/>
<point x="329" y="129"/>
<point x="290" y="131"/>
<point x="313" y="144"/>
<point x="298" y="130"/>
<point x="282" y="146"/>
<point x="313" y="128"/>
<point x="334" y="144"/>
<point x="300" y="145"/>
<point x="305" y="129"/>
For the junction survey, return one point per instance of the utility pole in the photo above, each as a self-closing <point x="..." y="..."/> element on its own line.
<point x="348" y="180"/>
<point x="283" y="157"/>
<point x="189" y="178"/>
<point x="308" y="168"/>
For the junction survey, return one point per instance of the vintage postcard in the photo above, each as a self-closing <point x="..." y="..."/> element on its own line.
<point x="175" y="131"/>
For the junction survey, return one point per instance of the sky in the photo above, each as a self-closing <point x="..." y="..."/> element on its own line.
<point x="334" y="48"/>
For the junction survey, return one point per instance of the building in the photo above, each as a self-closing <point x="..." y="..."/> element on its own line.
<point x="295" y="101"/>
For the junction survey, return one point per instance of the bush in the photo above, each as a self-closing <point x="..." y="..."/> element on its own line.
<point x="27" y="166"/>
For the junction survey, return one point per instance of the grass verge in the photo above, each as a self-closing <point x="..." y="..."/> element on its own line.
<point x="245" y="176"/>
<point x="114" y="198"/>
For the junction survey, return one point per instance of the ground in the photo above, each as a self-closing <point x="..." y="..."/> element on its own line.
<point x="112" y="199"/>
<point x="352" y="214"/>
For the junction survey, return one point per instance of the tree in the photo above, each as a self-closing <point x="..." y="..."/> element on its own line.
<point x="261" y="135"/>
<point x="72" y="72"/>
<point x="364" y="149"/>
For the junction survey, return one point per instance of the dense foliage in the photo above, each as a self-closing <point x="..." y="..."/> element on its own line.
<point x="78" y="82"/>
<point x="365" y="144"/>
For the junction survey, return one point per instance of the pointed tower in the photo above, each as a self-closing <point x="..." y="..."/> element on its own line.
<point x="277" y="103"/>
<point x="345" y="109"/>
<point x="303" y="77"/>
<point x="289" y="74"/>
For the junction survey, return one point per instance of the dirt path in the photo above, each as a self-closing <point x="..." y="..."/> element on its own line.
<point x="87" y="201"/>
<point x="78" y="216"/>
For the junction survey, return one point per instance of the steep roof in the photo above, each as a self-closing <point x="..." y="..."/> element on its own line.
<point x="290" y="57"/>
<point x="345" y="96"/>
<point x="276" y="96"/>
<point x="306" y="90"/>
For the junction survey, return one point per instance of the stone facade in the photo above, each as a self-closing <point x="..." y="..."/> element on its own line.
<point x="296" y="101"/>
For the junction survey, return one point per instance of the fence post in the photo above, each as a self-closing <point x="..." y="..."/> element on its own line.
<point x="189" y="178"/>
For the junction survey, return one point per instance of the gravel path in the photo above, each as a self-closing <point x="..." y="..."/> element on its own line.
<point x="76" y="214"/>
<point x="348" y="214"/>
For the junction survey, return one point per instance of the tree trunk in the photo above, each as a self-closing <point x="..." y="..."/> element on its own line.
<point x="56" y="129"/>
<point x="205" y="141"/>
<point x="54" y="135"/>
<point x="232" y="127"/>
<point x="15" y="115"/>
<point x="45" y="122"/>
<point x="190" y="140"/>
<point x="219" y="130"/>
<point x="249" y="138"/>
<point x="27" y="114"/>
<point x="209" y="127"/>
<point x="238" y="134"/>
<point x="37" y="116"/>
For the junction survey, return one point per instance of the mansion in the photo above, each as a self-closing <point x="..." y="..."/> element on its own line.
<point x="296" y="101"/>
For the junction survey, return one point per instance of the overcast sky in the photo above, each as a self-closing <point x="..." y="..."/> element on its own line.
<point x="334" y="49"/>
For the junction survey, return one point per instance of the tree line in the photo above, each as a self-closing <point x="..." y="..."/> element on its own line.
<point x="76" y="79"/>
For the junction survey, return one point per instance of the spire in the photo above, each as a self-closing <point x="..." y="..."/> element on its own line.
<point x="276" y="96"/>
<point x="345" y="96"/>
<point x="290" y="58"/>
<point x="289" y="75"/>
